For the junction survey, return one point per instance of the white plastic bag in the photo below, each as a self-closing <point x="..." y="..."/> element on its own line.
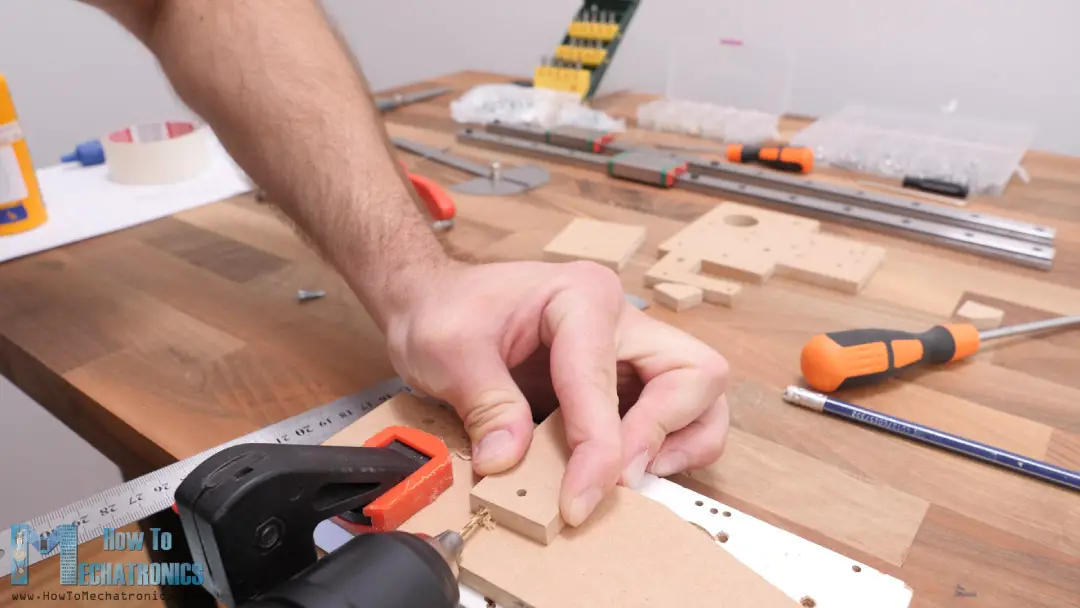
<point x="513" y="104"/>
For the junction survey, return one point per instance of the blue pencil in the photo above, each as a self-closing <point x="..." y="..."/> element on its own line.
<point x="899" y="426"/>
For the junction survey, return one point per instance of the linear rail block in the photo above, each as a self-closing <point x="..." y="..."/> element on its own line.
<point x="606" y="243"/>
<point x="751" y="245"/>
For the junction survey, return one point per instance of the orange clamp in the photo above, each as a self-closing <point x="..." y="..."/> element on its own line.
<point x="415" y="492"/>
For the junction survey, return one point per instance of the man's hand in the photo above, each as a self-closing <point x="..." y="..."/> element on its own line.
<point x="283" y="95"/>
<point x="462" y="337"/>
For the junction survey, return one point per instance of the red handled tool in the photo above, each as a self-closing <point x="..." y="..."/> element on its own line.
<point x="440" y="206"/>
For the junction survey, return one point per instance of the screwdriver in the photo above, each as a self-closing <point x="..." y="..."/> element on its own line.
<point x="782" y="158"/>
<point x="858" y="357"/>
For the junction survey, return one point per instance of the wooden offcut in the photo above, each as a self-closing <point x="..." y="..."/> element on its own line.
<point x="526" y="499"/>
<point x="979" y="315"/>
<point x="608" y="243"/>
<point x="633" y="552"/>
<point x="678" y="297"/>
<point x="750" y="245"/>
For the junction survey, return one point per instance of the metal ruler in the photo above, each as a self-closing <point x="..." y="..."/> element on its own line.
<point x="152" y="493"/>
<point x="491" y="180"/>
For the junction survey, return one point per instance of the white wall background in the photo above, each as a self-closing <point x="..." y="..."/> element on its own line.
<point x="76" y="75"/>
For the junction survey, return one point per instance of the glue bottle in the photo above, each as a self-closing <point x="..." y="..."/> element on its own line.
<point x="21" y="207"/>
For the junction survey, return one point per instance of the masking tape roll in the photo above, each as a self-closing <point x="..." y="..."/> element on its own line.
<point x="157" y="153"/>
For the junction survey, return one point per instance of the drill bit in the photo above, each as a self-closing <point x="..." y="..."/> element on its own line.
<point x="481" y="518"/>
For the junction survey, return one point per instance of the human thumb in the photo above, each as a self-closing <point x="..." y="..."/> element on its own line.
<point x="497" y="418"/>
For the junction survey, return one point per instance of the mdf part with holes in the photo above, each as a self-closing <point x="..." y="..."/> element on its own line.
<point x="749" y="244"/>
<point x="606" y="243"/>
<point x="633" y="552"/>
<point x="526" y="498"/>
<point x="678" y="297"/>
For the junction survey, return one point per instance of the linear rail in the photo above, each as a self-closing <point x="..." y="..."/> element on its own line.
<point x="648" y="166"/>
<point x="603" y="142"/>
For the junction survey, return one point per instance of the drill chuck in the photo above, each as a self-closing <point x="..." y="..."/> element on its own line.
<point x="378" y="570"/>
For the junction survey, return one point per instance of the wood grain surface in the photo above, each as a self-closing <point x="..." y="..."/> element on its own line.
<point x="169" y="338"/>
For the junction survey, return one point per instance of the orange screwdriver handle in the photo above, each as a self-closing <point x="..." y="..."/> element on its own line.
<point x="781" y="158"/>
<point x="858" y="357"/>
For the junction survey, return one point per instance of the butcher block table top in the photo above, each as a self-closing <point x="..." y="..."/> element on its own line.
<point x="160" y="341"/>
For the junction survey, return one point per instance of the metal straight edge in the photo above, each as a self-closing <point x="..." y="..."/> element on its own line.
<point x="1018" y="251"/>
<point x="886" y="202"/>
<point x="439" y="156"/>
<point x="385" y="104"/>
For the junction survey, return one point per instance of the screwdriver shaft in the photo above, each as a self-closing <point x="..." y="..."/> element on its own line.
<point x="1024" y="328"/>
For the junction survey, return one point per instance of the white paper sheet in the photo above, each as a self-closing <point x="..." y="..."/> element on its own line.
<point x="82" y="203"/>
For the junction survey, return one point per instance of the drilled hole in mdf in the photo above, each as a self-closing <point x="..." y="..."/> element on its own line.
<point x="807" y="601"/>
<point x="699" y="503"/>
<point x="727" y="513"/>
<point x="722" y="537"/>
<point x="856" y="568"/>
<point x="714" y="510"/>
<point x="522" y="492"/>
<point x="741" y="221"/>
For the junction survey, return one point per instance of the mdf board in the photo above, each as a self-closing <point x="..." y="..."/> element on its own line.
<point x="979" y="315"/>
<point x="526" y="498"/>
<point x="633" y="552"/>
<point x="607" y="243"/>
<point x="677" y="297"/>
<point x="751" y="245"/>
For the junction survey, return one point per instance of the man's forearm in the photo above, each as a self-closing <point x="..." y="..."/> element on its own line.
<point x="283" y="95"/>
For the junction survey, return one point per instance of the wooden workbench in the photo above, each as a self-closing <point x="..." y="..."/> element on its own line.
<point x="169" y="338"/>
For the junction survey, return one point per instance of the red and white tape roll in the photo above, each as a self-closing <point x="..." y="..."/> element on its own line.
<point x="157" y="153"/>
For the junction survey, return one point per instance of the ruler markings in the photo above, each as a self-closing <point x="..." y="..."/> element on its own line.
<point x="154" y="492"/>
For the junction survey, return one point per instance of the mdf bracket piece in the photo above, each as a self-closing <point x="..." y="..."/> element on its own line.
<point x="801" y="570"/>
<point x="492" y="180"/>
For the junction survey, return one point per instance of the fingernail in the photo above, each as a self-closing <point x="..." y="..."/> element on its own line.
<point x="583" y="506"/>
<point x="492" y="446"/>
<point x="669" y="463"/>
<point x="635" y="471"/>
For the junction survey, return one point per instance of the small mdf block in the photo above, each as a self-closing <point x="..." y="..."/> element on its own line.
<point x="605" y="243"/>
<point x="752" y="245"/>
<point x="525" y="499"/>
<point x="686" y="270"/>
<point x="979" y="315"/>
<point x="678" y="297"/>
